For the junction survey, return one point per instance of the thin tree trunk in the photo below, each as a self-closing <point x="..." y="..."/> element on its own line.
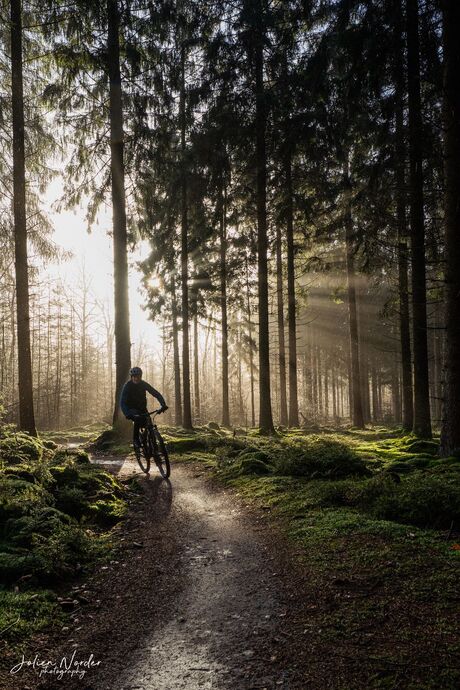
<point x="450" y="432"/>
<point x="223" y="305"/>
<point x="176" y="362"/>
<point x="281" y="338"/>
<point x="117" y="170"/>
<point x="357" y="409"/>
<point x="422" y="419"/>
<point x="26" y="401"/>
<point x="196" y="366"/>
<point x="265" y="408"/>
<point x="292" y="325"/>
<point x="251" y="354"/>
<point x="319" y="380"/>
<point x="187" y="408"/>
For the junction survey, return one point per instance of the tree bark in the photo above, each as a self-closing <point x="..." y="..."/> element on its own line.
<point x="223" y="306"/>
<point x="265" y="408"/>
<point x="187" y="408"/>
<point x="117" y="170"/>
<point x="401" y="222"/>
<point x="292" y="325"/>
<point x="25" y="383"/>
<point x="357" y="417"/>
<point x="196" y="367"/>
<point x="281" y="337"/>
<point x="422" y="419"/>
<point x="251" y="354"/>
<point x="176" y="362"/>
<point x="450" y="431"/>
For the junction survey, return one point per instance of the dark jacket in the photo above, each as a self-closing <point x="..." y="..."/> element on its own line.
<point x="133" y="398"/>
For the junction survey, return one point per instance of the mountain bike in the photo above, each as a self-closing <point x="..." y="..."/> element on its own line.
<point x="152" y="445"/>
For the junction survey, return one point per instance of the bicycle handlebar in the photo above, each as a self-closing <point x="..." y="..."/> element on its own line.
<point x="153" y="412"/>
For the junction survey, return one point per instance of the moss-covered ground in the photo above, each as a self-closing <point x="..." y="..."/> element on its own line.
<point x="375" y="518"/>
<point x="56" y="513"/>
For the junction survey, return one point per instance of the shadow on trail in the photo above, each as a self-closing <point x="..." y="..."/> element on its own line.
<point x="159" y="494"/>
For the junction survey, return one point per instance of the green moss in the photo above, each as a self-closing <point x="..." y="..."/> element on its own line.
<point x="107" y="512"/>
<point x="318" y="456"/>
<point x="69" y="456"/>
<point x="185" y="445"/>
<point x="25" y="613"/>
<point x="20" y="447"/>
<point x="20" y="496"/>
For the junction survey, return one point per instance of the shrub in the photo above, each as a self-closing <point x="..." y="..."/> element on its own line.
<point x="424" y="501"/>
<point x="42" y="501"/>
<point x="318" y="457"/>
<point x="20" y="447"/>
<point x="421" y="499"/>
<point x="20" y="497"/>
<point x="72" y="500"/>
<point x="185" y="445"/>
<point x="107" y="512"/>
<point x="422" y="446"/>
<point x="67" y="456"/>
<point x="45" y="543"/>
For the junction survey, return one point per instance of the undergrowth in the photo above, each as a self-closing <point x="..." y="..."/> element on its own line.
<point x="375" y="516"/>
<point x="55" y="510"/>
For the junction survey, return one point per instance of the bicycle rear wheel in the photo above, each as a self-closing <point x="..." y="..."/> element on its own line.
<point x="160" y="454"/>
<point x="144" y="453"/>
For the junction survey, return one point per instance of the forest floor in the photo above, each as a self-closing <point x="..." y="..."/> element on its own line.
<point x="220" y="581"/>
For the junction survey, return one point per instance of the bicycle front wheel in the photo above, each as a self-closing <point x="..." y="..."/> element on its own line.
<point x="143" y="453"/>
<point x="160" y="454"/>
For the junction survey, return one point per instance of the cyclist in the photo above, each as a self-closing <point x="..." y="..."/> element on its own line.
<point x="133" y="401"/>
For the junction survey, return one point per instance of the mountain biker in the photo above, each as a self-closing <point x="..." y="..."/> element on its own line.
<point x="133" y="401"/>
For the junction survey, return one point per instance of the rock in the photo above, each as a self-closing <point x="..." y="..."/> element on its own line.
<point x="67" y="604"/>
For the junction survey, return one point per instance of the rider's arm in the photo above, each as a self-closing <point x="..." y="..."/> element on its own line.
<point x="123" y="401"/>
<point x="155" y="394"/>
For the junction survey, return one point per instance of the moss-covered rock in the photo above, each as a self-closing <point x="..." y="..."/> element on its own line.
<point x="318" y="457"/>
<point x="20" y="497"/>
<point x="251" y="464"/>
<point x="185" y="445"/>
<point x="69" y="456"/>
<point x="19" y="448"/>
<point x="422" y="446"/>
<point x="107" y="512"/>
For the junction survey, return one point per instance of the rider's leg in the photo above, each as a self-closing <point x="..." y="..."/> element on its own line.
<point x="136" y="427"/>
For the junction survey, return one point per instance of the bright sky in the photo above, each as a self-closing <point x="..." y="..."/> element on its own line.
<point x="93" y="251"/>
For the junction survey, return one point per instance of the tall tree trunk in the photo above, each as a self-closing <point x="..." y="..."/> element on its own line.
<point x="265" y="407"/>
<point x="357" y="417"/>
<point x="422" y="419"/>
<point x="187" y="409"/>
<point x="26" y="400"/>
<point x="176" y="362"/>
<point x="281" y="338"/>
<point x="117" y="170"/>
<point x="292" y="326"/>
<point x="196" y="366"/>
<point x="401" y="221"/>
<point x="223" y="305"/>
<point x="251" y="353"/>
<point x="450" y="432"/>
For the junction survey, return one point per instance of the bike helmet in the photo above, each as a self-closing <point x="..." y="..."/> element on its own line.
<point x="135" y="371"/>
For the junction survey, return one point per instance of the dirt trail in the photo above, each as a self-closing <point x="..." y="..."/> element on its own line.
<point x="221" y="628"/>
<point x="201" y="596"/>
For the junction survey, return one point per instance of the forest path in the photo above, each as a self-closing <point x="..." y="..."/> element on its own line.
<point x="203" y="594"/>
<point x="220" y="629"/>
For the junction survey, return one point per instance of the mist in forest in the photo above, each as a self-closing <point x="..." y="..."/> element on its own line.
<point x="271" y="181"/>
